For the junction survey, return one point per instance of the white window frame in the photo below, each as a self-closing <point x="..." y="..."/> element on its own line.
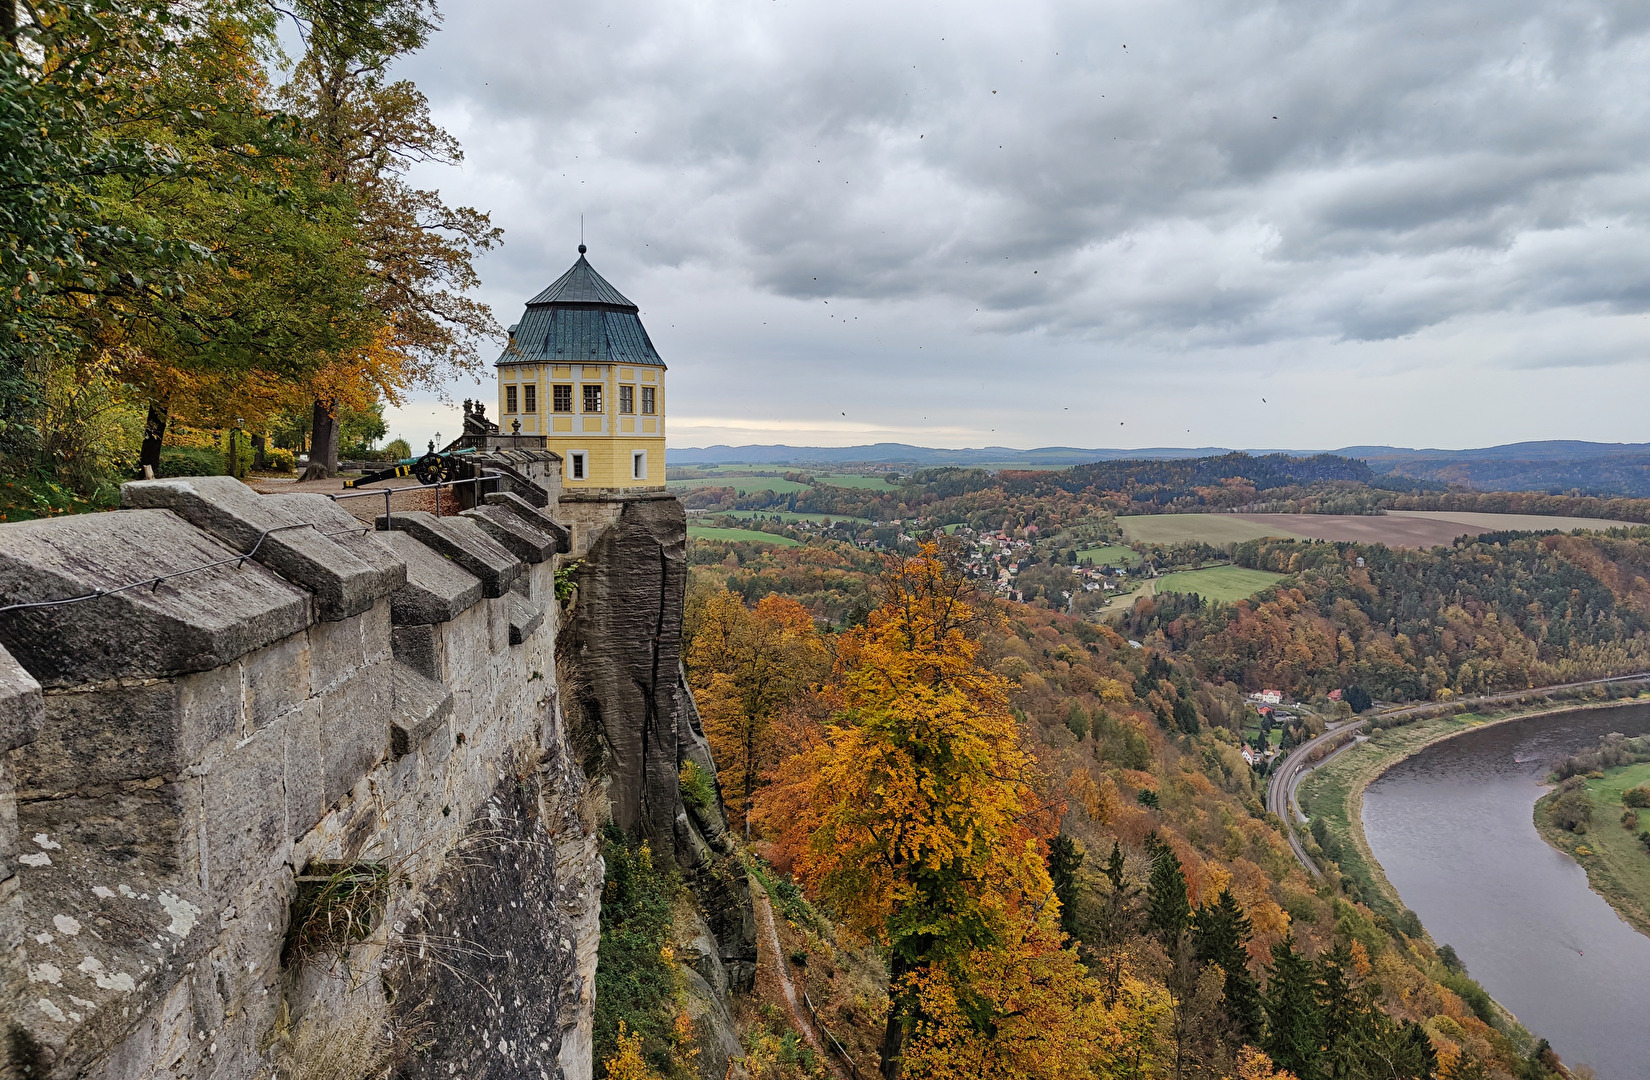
<point x="638" y="464"/>
<point x="578" y="460"/>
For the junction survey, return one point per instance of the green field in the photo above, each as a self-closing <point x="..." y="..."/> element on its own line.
<point x="751" y="536"/>
<point x="848" y="480"/>
<point x="1110" y="555"/>
<point x="1213" y="529"/>
<point x="1617" y="865"/>
<point x="743" y="483"/>
<point x="1225" y="583"/>
<point x="788" y="516"/>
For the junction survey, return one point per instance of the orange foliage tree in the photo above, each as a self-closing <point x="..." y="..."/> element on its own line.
<point x="916" y="819"/>
<point x="745" y="667"/>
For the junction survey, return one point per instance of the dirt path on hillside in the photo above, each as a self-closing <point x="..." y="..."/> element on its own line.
<point x="768" y="941"/>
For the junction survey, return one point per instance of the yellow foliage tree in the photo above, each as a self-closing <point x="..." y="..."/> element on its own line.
<point x="745" y="667"/>
<point x="914" y="820"/>
<point x="627" y="1062"/>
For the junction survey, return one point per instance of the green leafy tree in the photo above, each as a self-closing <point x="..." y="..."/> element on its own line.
<point x="368" y="130"/>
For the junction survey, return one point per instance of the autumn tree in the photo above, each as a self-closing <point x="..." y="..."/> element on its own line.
<point x="160" y="236"/>
<point x="915" y="821"/>
<point x="367" y="130"/>
<point x="745" y="666"/>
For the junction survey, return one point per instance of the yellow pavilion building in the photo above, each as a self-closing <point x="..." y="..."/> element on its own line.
<point x="581" y="371"/>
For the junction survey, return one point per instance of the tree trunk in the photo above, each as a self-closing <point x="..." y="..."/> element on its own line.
<point x="154" y="431"/>
<point x="893" y="1036"/>
<point x="259" y="461"/>
<point x="323" y="442"/>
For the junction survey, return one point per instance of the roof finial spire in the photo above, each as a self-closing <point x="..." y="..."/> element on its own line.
<point x="581" y="234"/>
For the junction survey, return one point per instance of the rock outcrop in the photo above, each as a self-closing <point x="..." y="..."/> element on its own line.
<point x="625" y="642"/>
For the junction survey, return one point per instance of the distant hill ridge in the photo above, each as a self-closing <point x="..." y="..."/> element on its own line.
<point x="1555" y="465"/>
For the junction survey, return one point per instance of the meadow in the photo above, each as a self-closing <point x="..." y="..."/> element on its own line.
<point x="1617" y="864"/>
<point x="1213" y="529"/>
<point x="776" y="484"/>
<point x="1223" y="583"/>
<point x="789" y="517"/>
<point x="749" y="536"/>
<point x="1109" y="555"/>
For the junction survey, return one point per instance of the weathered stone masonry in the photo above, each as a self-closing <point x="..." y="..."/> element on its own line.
<point x="173" y="758"/>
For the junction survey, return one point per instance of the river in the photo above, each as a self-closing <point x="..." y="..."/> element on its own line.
<point x="1451" y="827"/>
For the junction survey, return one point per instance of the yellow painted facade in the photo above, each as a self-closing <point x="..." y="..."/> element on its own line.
<point x="599" y="447"/>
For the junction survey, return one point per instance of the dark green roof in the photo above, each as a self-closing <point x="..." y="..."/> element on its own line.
<point x="582" y="285"/>
<point x="580" y="318"/>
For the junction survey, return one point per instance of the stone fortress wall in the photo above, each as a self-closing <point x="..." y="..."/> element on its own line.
<point x="316" y="809"/>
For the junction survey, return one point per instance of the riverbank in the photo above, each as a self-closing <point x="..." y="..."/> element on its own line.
<point x="1334" y="793"/>
<point x="1616" y="861"/>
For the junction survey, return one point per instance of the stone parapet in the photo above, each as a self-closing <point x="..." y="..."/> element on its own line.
<point x="181" y="761"/>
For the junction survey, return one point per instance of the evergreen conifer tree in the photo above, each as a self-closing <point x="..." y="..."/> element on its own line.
<point x="1065" y="859"/>
<point x="1220" y="932"/>
<point x="1291" y="1003"/>
<point x="1168" y="911"/>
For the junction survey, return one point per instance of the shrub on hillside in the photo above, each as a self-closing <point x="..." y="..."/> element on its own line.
<point x="1639" y="796"/>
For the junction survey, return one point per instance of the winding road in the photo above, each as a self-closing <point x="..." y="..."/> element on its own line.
<point x="1287" y="775"/>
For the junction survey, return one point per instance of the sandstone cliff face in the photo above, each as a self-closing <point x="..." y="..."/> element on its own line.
<point x="625" y="641"/>
<point x="308" y="814"/>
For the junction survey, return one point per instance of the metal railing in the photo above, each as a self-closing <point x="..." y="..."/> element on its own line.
<point x="436" y="487"/>
<point x="830" y="1040"/>
<point x="154" y="583"/>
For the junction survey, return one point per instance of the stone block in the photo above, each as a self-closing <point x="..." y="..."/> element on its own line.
<point x="540" y="495"/>
<point x="195" y="622"/>
<point x="278" y="679"/>
<point x="421" y="705"/>
<point x="337" y="650"/>
<point x="354" y="729"/>
<point x="520" y="537"/>
<point x="122" y="734"/>
<point x="437" y="588"/>
<point x="305" y="782"/>
<point x="462" y="541"/>
<point x="524" y="619"/>
<point x="318" y="544"/>
<point x="22" y="709"/>
<point x="539" y="519"/>
<point x="243" y="820"/>
<point x="419" y="648"/>
<point x="22" y="713"/>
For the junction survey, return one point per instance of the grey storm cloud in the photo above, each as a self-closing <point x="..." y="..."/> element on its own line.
<point x="1195" y="184"/>
<point x="1239" y="171"/>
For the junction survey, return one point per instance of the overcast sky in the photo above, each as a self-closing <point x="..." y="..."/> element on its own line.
<point x="1088" y="224"/>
